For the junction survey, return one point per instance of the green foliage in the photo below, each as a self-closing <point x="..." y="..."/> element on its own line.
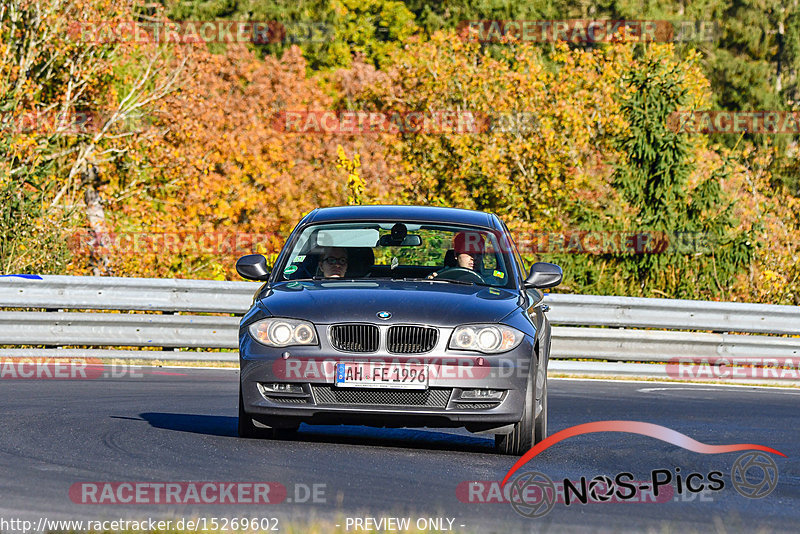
<point x="330" y="32"/>
<point x="449" y="14"/>
<point x="30" y="87"/>
<point x="31" y="239"/>
<point x="752" y="60"/>
<point x="654" y="179"/>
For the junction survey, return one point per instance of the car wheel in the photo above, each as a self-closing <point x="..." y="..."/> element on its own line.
<point x="248" y="428"/>
<point x="520" y="440"/>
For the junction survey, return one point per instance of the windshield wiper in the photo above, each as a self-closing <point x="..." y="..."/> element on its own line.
<point x="337" y="279"/>
<point x="447" y="280"/>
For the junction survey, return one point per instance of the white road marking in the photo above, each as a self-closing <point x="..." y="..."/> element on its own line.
<point x="685" y="385"/>
<point x="716" y="386"/>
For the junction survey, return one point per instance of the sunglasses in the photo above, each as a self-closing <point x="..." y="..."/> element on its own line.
<point x="334" y="261"/>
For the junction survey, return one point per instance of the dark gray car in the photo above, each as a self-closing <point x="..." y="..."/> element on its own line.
<point x="397" y="316"/>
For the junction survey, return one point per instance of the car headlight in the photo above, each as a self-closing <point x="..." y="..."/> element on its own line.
<point x="488" y="338"/>
<point x="279" y="332"/>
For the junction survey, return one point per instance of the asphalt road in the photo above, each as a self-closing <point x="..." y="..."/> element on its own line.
<point x="180" y="425"/>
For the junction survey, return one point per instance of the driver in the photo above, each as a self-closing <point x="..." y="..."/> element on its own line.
<point x="467" y="247"/>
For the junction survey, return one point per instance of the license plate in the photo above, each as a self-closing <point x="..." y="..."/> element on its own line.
<point x="381" y="375"/>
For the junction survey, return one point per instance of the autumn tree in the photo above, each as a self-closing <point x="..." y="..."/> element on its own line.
<point x="655" y="178"/>
<point x="227" y="168"/>
<point x="69" y="99"/>
<point x="537" y="129"/>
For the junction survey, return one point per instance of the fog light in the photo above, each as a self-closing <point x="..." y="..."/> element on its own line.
<point x="482" y="394"/>
<point x="280" y="387"/>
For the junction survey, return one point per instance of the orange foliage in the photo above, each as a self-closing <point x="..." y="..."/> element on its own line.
<point x="222" y="168"/>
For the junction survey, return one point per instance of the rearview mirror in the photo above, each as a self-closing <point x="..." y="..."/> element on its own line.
<point x="253" y="267"/>
<point x="412" y="240"/>
<point x="544" y="275"/>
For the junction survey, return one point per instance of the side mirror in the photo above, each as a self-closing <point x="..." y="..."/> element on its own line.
<point x="253" y="267"/>
<point x="544" y="275"/>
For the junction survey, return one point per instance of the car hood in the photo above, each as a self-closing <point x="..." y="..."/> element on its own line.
<point x="442" y="304"/>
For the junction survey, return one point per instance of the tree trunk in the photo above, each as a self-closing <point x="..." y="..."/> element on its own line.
<point x="96" y="216"/>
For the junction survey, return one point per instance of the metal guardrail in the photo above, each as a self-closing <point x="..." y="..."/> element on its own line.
<point x="172" y="321"/>
<point x="123" y="329"/>
<point x="619" y="344"/>
<point x="115" y="293"/>
<point x="636" y="312"/>
<point x="124" y="354"/>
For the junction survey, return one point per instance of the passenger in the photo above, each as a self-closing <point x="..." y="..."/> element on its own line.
<point x="333" y="262"/>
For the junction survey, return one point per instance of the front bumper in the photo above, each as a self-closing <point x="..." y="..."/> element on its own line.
<point x="450" y="373"/>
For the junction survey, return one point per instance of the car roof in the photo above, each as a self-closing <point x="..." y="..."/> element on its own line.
<point x="402" y="213"/>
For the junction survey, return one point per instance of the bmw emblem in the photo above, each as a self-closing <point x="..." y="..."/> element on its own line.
<point x="383" y="315"/>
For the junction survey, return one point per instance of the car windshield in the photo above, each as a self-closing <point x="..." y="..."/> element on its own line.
<point x="399" y="251"/>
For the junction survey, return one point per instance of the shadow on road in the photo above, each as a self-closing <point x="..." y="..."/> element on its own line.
<point x="411" y="438"/>
<point x="211" y="425"/>
<point x="217" y="425"/>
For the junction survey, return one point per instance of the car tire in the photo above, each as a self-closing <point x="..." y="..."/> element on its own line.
<point x="248" y="429"/>
<point x="520" y="440"/>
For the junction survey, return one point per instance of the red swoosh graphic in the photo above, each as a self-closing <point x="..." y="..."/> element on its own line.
<point x="634" y="427"/>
